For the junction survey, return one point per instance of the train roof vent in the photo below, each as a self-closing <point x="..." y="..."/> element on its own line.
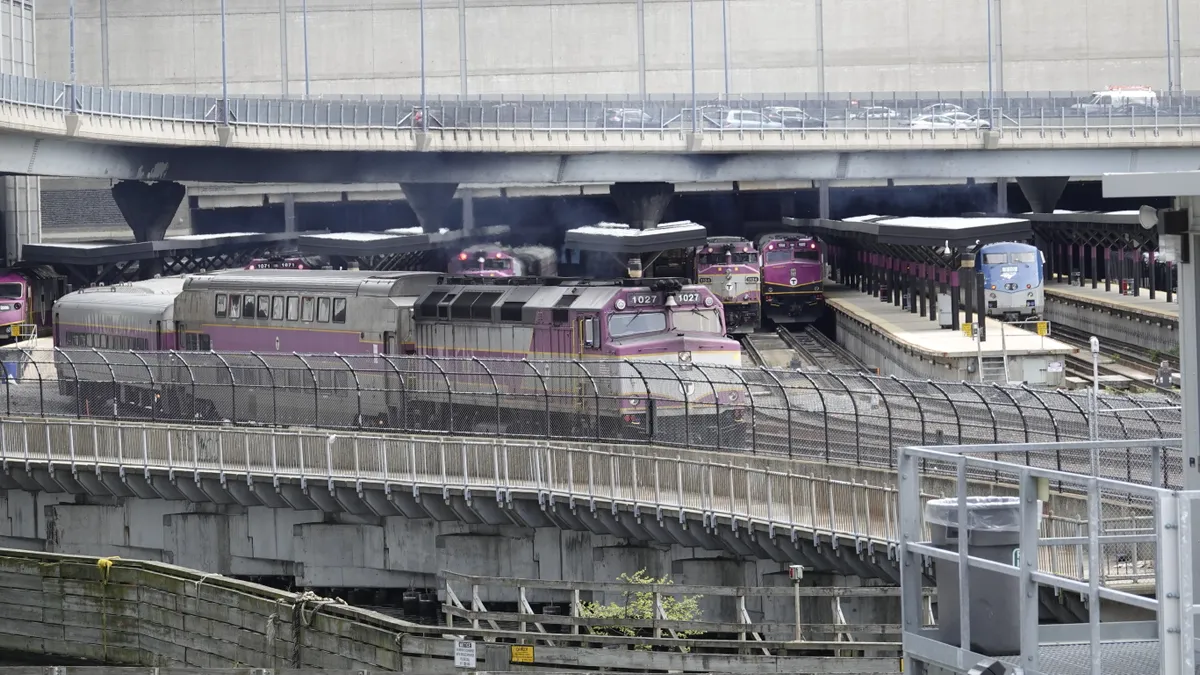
<point x="428" y="306"/>
<point x="461" y="308"/>
<point x="566" y="300"/>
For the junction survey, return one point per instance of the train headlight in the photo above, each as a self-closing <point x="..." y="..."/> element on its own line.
<point x="708" y="302"/>
<point x="620" y="304"/>
<point x="685" y="357"/>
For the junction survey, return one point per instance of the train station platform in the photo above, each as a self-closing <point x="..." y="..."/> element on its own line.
<point x="898" y="342"/>
<point x="1150" y="324"/>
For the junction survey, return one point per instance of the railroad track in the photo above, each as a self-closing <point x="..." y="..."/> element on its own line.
<point x="1134" y="356"/>
<point x="816" y="347"/>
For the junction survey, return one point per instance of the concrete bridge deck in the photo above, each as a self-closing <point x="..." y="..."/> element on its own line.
<point x="826" y="517"/>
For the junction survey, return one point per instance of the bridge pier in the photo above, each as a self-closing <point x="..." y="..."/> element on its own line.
<point x="430" y="202"/>
<point x="149" y="208"/>
<point x="642" y="204"/>
<point x="1043" y="193"/>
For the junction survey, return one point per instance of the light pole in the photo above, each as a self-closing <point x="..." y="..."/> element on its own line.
<point x="990" y="65"/>
<point x="71" y="30"/>
<point x="224" y="71"/>
<point x="304" y="29"/>
<point x="1095" y="431"/>
<point x="725" y="44"/>
<point x="424" y="109"/>
<point x="692" y="36"/>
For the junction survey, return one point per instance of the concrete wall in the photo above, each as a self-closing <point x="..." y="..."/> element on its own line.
<point x="20" y="205"/>
<point x="1146" y="330"/>
<point x="593" y="46"/>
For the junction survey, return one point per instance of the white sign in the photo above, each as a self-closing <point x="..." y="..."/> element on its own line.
<point x="1054" y="367"/>
<point x="1016" y="557"/>
<point x="464" y="653"/>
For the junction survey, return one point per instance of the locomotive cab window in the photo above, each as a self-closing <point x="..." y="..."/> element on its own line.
<point x="339" y="310"/>
<point x="806" y="254"/>
<point x="742" y="258"/>
<point x="995" y="258"/>
<point x="623" y="325"/>
<point x="235" y="306"/>
<point x="307" y="306"/>
<point x="12" y="291"/>
<point x="777" y="256"/>
<point x="221" y="308"/>
<point x="1028" y="257"/>
<point x="323" y="310"/>
<point x="293" y="308"/>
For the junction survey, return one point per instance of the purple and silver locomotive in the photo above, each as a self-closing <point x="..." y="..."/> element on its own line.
<point x="729" y="267"/>
<point x="495" y="260"/>
<point x="793" y="269"/>
<point x="26" y="296"/>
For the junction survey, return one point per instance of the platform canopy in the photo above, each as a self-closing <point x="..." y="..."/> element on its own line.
<point x="620" y="238"/>
<point x="955" y="233"/>
<point x="362" y="245"/>
<point x="107" y="261"/>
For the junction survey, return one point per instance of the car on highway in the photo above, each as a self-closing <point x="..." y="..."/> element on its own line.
<point x="945" y="122"/>
<point x="875" y="112"/>
<point x="793" y="118"/>
<point x="745" y="119"/>
<point x="941" y="109"/>
<point x="627" y="118"/>
<point x="967" y="120"/>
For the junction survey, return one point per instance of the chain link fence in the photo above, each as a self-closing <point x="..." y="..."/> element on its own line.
<point x="843" y="418"/>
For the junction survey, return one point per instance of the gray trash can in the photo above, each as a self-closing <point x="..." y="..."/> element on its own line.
<point x="994" y="533"/>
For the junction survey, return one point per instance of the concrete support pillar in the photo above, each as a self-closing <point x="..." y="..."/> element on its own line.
<point x="1002" y="195"/>
<point x="1044" y="192"/>
<point x="642" y="204"/>
<point x="149" y="208"/>
<point x="199" y="540"/>
<point x="430" y="202"/>
<point x="468" y="211"/>
<point x="823" y="199"/>
<point x="718" y="572"/>
<point x="289" y="212"/>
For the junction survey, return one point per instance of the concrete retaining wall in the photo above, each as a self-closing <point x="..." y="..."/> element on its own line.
<point x="1142" y="330"/>
<point x="151" y="614"/>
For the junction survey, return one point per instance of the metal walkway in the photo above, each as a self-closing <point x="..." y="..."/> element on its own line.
<point x="825" y="517"/>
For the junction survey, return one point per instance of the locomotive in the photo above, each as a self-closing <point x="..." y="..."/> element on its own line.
<point x="1012" y="277"/>
<point x="494" y="260"/>
<point x="730" y="268"/>
<point x="624" y="329"/>
<point x="26" y="297"/>
<point x="793" y="270"/>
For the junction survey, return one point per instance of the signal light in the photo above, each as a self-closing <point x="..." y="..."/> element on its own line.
<point x="462" y="256"/>
<point x="497" y="254"/>
<point x="1028" y="285"/>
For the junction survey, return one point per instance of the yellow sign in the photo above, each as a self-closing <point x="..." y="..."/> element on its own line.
<point x="520" y="653"/>
<point x="1043" y="328"/>
<point x="968" y="329"/>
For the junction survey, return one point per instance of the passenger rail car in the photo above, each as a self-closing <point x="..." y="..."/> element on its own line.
<point x="494" y="260"/>
<point x="793" y="272"/>
<point x="347" y="320"/>
<point x="27" y="296"/>
<point x="1012" y="277"/>
<point x="730" y="268"/>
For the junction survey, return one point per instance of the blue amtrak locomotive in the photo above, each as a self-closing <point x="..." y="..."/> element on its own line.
<point x="1012" y="277"/>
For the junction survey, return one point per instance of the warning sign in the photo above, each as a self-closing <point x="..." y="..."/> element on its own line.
<point x="968" y="330"/>
<point x="464" y="654"/>
<point x="1043" y="328"/>
<point x="521" y="653"/>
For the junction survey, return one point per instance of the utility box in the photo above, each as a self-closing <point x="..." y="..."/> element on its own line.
<point x="945" y="319"/>
<point x="994" y="533"/>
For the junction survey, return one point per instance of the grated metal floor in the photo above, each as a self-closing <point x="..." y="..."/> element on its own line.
<point x="1119" y="658"/>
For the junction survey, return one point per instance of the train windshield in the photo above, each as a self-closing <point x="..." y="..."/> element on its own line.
<point x="696" y="320"/>
<point x="742" y="258"/>
<point x="807" y="254"/>
<point x="995" y="258"/>
<point x="495" y="264"/>
<point x="712" y="258"/>
<point x="1028" y="258"/>
<point x="624" y="325"/>
<point x="11" y="291"/>
<point x="777" y="256"/>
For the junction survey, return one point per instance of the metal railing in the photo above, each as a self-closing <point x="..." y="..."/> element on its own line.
<point x="777" y="496"/>
<point x="1122" y="519"/>
<point x="842" y="418"/>
<point x="850" y="111"/>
